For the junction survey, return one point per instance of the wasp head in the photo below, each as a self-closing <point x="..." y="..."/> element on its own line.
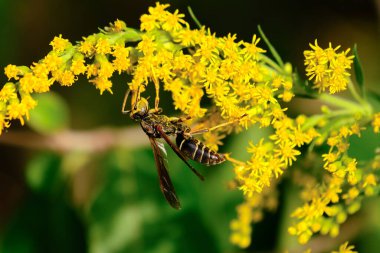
<point x="140" y="109"/>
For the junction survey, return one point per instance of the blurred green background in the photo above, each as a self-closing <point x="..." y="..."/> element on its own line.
<point x="110" y="201"/>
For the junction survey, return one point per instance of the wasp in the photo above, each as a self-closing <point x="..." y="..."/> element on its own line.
<point x="158" y="126"/>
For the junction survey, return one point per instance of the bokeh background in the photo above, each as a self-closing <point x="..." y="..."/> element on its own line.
<point x="109" y="200"/>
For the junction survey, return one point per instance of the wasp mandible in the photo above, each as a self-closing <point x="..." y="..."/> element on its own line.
<point x="158" y="126"/>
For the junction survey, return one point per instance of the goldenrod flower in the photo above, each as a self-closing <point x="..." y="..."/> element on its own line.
<point x="60" y="44"/>
<point x="345" y="248"/>
<point x="12" y="71"/>
<point x="327" y="67"/>
<point x="87" y="46"/>
<point x="376" y="123"/>
<point x="8" y="92"/>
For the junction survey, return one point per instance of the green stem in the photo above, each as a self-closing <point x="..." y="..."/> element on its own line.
<point x="340" y="102"/>
<point x="354" y="93"/>
<point x="192" y="15"/>
<point x="276" y="56"/>
<point x="271" y="63"/>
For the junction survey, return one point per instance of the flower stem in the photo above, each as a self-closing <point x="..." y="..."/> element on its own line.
<point x="354" y="93"/>
<point x="340" y="102"/>
<point x="271" y="63"/>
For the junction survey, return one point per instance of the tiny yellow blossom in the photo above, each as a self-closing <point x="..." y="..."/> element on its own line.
<point x="17" y="110"/>
<point x="345" y="248"/>
<point x="65" y="78"/>
<point x="102" y="46"/>
<point x="12" y="71"/>
<point x="173" y="21"/>
<point x="376" y="122"/>
<point x="252" y="49"/>
<point x="87" y="46"/>
<point x="78" y="66"/>
<point x="60" y="44"/>
<point x="287" y="153"/>
<point x="327" y="67"/>
<point x="118" y="26"/>
<point x="8" y="92"/>
<point x="102" y="84"/>
<point x="53" y="62"/>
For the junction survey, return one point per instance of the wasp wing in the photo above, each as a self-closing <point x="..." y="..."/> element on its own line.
<point x="166" y="184"/>
<point x="178" y="152"/>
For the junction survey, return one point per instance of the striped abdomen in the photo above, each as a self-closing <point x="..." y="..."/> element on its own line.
<point x="197" y="151"/>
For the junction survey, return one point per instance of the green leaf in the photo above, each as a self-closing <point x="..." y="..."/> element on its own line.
<point x="195" y="19"/>
<point x="358" y="69"/>
<point x="273" y="51"/>
<point x="51" y="114"/>
<point x="43" y="175"/>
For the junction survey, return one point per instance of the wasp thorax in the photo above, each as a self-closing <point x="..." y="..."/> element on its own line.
<point x="140" y="109"/>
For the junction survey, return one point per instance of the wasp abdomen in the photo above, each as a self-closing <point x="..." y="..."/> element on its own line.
<point x="197" y="151"/>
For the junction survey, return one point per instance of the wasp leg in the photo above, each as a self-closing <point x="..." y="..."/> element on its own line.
<point x="205" y="130"/>
<point x="123" y="111"/>
<point x="156" y="111"/>
<point x="179" y="119"/>
<point x="178" y="152"/>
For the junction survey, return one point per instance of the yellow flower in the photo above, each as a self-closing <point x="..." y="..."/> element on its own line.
<point x="352" y="194"/>
<point x="60" y="44"/>
<point x="287" y="153"/>
<point x="78" y="67"/>
<point x="327" y="67"/>
<point x="118" y="26"/>
<point x="213" y="140"/>
<point x="187" y="37"/>
<point x="53" y="62"/>
<point x="106" y="69"/>
<point x="147" y="45"/>
<point x="3" y="122"/>
<point x="17" y="110"/>
<point x="159" y="11"/>
<point x="376" y="122"/>
<point x="102" y="84"/>
<point x="8" y="92"/>
<point x="251" y="49"/>
<point x="370" y="180"/>
<point x="40" y="70"/>
<point x="345" y="248"/>
<point x="286" y="96"/>
<point x="28" y="83"/>
<point x="102" y="46"/>
<point x="12" y="71"/>
<point x="173" y="21"/>
<point x="87" y="46"/>
<point x="65" y="78"/>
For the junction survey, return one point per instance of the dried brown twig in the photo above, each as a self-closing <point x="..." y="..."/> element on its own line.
<point x="96" y="140"/>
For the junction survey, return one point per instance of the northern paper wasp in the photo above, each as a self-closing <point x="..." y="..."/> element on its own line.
<point x="157" y="126"/>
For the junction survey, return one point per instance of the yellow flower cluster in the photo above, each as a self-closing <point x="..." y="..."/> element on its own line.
<point x="97" y="56"/>
<point x="267" y="163"/>
<point x="269" y="159"/>
<point x="251" y="211"/>
<point x="328" y="203"/>
<point x="190" y="62"/>
<point x="328" y="68"/>
<point x="345" y="248"/>
<point x="376" y="122"/>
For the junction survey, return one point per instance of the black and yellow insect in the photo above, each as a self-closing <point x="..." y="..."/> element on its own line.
<point x="157" y="126"/>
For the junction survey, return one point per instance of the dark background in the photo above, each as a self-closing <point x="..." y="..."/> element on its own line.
<point x="121" y="185"/>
